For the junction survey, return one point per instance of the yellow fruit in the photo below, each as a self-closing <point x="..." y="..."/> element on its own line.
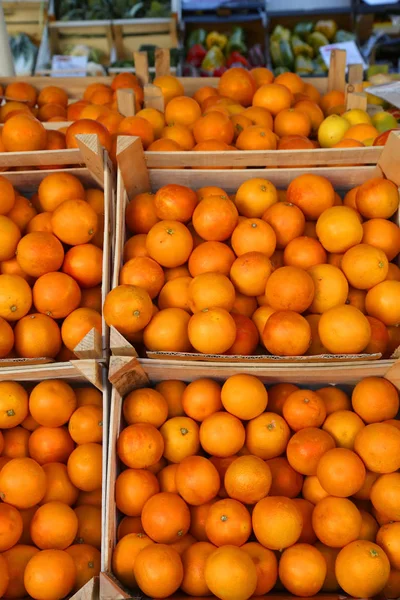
<point x="332" y="130"/>
<point x="356" y="116"/>
<point x="383" y="121"/>
<point x="371" y="99"/>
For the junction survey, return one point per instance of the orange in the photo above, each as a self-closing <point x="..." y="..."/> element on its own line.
<point x="36" y="336"/>
<point x="15" y="297"/>
<point x="313" y="111"/>
<point x="182" y="110"/>
<point x="277" y="522"/>
<point x="375" y="399"/>
<point x="304" y="252"/>
<point x="10" y="235"/>
<point x="236" y="391"/>
<point x="74" y="222"/>
<point x="261" y="316"/>
<point x="365" y="266"/>
<point x="22" y="212"/>
<point x="302" y="569"/>
<point x="238" y="84"/>
<point x="379" y="337"/>
<point x="307" y="447"/>
<point x="212" y="257"/>
<point x="78" y="324"/>
<point x="385" y="494"/>
<point x="228" y="522"/>
<point x="50" y="445"/>
<point x="341" y="472"/>
<point x="11" y="526"/>
<point x="292" y="121"/>
<point x="13" y="404"/>
<point x="212" y="331"/>
<point x="129" y="525"/>
<point x="16" y="559"/>
<point x="356" y="298"/>
<point x="286" y="220"/>
<point x="250" y="273"/>
<point x="344" y="330"/>
<point x="7" y="196"/>
<point x="289" y="288"/>
<point x="382" y="234"/>
<point x="51" y="403"/>
<point x="255" y="196"/>
<point x="89" y="525"/>
<point x="215" y="218"/>
<point x="86" y="425"/>
<point x="312" y="489"/>
<point x="140" y="214"/>
<point x="377" y="198"/>
<point x="6" y="338"/>
<point x="143" y="272"/>
<point x="52" y="94"/>
<point x="175" y="294"/>
<point x="306" y="508"/>
<point x="194" y="561"/>
<point x="331" y="99"/>
<point x="22" y="482"/>
<point x="23" y="133"/>
<point x="295" y="142"/>
<point x="145" y="406"/>
<point x="85" y="467"/>
<point x="256" y="138"/>
<point x="277" y="395"/>
<point x="336" y="521"/>
<point x="365" y="444"/>
<point x="124" y="556"/>
<point x="84" y="263"/>
<point x="16" y="443"/>
<point x="334" y="399"/>
<point x="266" y="566"/>
<point x="261" y="76"/>
<point x="292" y="81"/>
<point x="267" y="435"/>
<point x="362" y="569"/>
<point x="58" y="187"/>
<point x="312" y="194"/>
<point x="381" y="302"/>
<point x="137" y="126"/>
<point x="274" y="97"/>
<point x="222" y="434"/>
<point x="213" y="126"/>
<point x="244" y="305"/>
<point x="130" y="446"/>
<point x="343" y="426"/>
<point x="167" y="479"/>
<point x="286" y="333"/>
<point x="59" y="487"/>
<point x="49" y="575"/>
<point x="201" y="398"/>
<point x="170" y="86"/>
<point x="56" y="295"/>
<point x="304" y="408"/>
<point x="39" y="253"/>
<point x="20" y="91"/>
<point x="181" y="438"/>
<point x="179" y="134"/>
<point x="87" y="126"/>
<point x="248" y="479"/>
<point x="330" y="288"/>
<point x="362" y="132"/>
<point x="230" y="573"/>
<point x="259" y="116"/>
<point x="211" y="290"/>
<point x="165" y="517"/>
<point x="175" y="202"/>
<point x="87" y="563"/>
<point x="197" y="480"/>
<point x="204" y="92"/>
<point x="158" y="570"/>
<point x="169" y="243"/>
<point x="253" y="235"/>
<point x="168" y="331"/>
<point x="387" y="538"/>
<point x="54" y="526"/>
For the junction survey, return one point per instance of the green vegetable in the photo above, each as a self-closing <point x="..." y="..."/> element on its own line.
<point x="213" y="59"/>
<point x="281" y="54"/>
<point x="328" y="28"/>
<point x="281" y="33"/>
<point x="198" y="36"/>
<point x="280" y="70"/>
<point x="303" y="28"/>
<point x="377" y="70"/>
<point x="320" y="67"/>
<point x="317" y="39"/>
<point x="236" y="41"/>
<point x="216" y="39"/>
<point x="300" y="47"/>
<point x="303" y="65"/>
<point x="344" y="36"/>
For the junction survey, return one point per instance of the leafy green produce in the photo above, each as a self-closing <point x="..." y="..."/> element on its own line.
<point x="198" y="36"/>
<point x="236" y="41"/>
<point x="303" y="65"/>
<point x="281" y="54"/>
<point x="303" y="28"/>
<point x="281" y="33"/>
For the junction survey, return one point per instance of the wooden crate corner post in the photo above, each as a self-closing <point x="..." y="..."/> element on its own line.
<point x="337" y="71"/>
<point x="162" y="62"/>
<point x="388" y="160"/>
<point x="354" y="99"/>
<point x="92" y="154"/>
<point x="132" y="165"/>
<point x="126" y="102"/>
<point x="141" y="63"/>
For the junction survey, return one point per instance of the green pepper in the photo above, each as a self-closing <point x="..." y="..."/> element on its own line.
<point x="236" y="42"/>
<point x="198" y="36"/>
<point x="316" y="40"/>
<point x="327" y="27"/>
<point x="299" y="46"/>
<point x="303" y="65"/>
<point x="344" y="36"/>
<point x="216" y="39"/>
<point x="281" y="54"/>
<point x="303" y="28"/>
<point x="213" y="59"/>
<point x="281" y="33"/>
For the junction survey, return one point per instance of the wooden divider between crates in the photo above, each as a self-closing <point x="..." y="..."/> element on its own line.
<point x="132" y="181"/>
<point x="97" y="172"/>
<point x="75" y="377"/>
<point x="127" y="374"/>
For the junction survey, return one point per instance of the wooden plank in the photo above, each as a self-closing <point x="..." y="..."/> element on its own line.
<point x="389" y="159"/>
<point x="355" y="74"/>
<point x="354" y="99"/>
<point x="87" y="371"/>
<point x="337" y="71"/>
<point x="262" y="158"/>
<point x="344" y="178"/>
<point x="92" y="152"/>
<point x="126" y="102"/>
<point x="130" y="152"/>
<point x="162" y="62"/>
<point x="153" y="97"/>
<point x="71" y="156"/>
<point x="141" y="67"/>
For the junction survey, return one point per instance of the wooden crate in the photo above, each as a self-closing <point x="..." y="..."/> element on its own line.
<point x="74" y="86"/>
<point x="132" y="181"/>
<point x="95" y="34"/>
<point x="97" y="172"/>
<point x="76" y="378"/>
<point x="26" y="16"/>
<point x="129" y="374"/>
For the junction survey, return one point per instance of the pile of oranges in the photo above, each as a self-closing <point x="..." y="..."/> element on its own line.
<point x="50" y="267"/>
<point x="299" y="272"/>
<point x="50" y="486"/>
<point x="236" y="490"/>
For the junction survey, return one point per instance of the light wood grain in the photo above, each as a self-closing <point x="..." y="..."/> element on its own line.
<point x="355" y="75"/>
<point x="337" y="71"/>
<point x="126" y="102"/>
<point x="141" y="67"/>
<point x="162" y="62"/>
<point x="153" y="97"/>
<point x="355" y="99"/>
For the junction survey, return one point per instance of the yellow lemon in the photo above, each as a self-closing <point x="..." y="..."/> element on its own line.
<point x="332" y="130"/>
<point x="356" y="116"/>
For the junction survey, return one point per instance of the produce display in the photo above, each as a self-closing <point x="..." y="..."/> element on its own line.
<point x="86" y="10"/>
<point x="210" y="54"/>
<point x="50" y="486"/>
<point x="298" y="50"/>
<point x="290" y="273"/>
<point x="50" y="266"/>
<point x="234" y="490"/>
